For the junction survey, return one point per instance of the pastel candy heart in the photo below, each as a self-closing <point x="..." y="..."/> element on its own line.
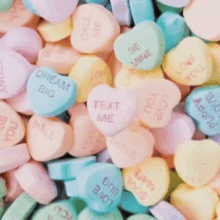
<point x="29" y="5"/>
<point x="95" y="29"/>
<point x="48" y="9"/>
<point x="33" y="178"/>
<point x="179" y="129"/>
<point x="5" y="5"/>
<point x="58" y="210"/>
<point x="157" y="98"/>
<point x="177" y="4"/>
<point x="174" y="29"/>
<point x="88" y="214"/>
<point x="128" y="152"/>
<point x="88" y="72"/>
<point x="17" y="38"/>
<point x="214" y="48"/>
<point x="3" y="188"/>
<point x="190" y="63"/>
<point x="207" y="18"/>
<point x="129" y="77"/>
<point x="20" y="70"/>
<point x="20" y="208"/>
<point x="165" y="8"/>
<point x="17" y="16"/>
<point x="141" y="217"/>
<point x="204" y="107"/>
<point x="59" y="56"/>
<point x="130" y="204"/>
<point x="142" y="48"/>
<point x="104" y="157"/>
<point x="164" y="210"/>
<point x="202" y="156"/>
<point x="99" y="185"/>
<point x="87" y="140"/>
<point x="195" y="203"/>
<point x="12" y="128"/>
<point x="48" y="138"/>
<point x="214" y="183"/>
<point x="21" y="104"/>
<point x="144" y="182"/>
<point x="49" y="93"/>
<point x="142" y="10"/>
<point x="111" y="110"/>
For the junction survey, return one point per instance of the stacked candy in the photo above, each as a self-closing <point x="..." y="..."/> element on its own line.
<point x="109" y="110"/>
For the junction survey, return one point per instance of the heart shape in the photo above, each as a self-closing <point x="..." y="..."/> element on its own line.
<point x="142" y="48"/>
<point x="203" y="156"/>
<point x="95" y="29"/>
<point x="144" y="182"/>
<point x="203" y="17"/>
<point x="99" y="185"/>
<point x="20" y="69"/>
<point x="112" y="110"/>
<point x="48" y="138"/>
<point x="195" y="203"/>
<point x="48" y="9"/>
<point x="95" y="72"/>
<point x="12" y="128"/>
<point x="88" y="140"/>
<point x="128" y="152"/>
<point x="157" y="98"/>
<point x="203" y="105"/>
<point x="49" y="93"/>
<point x="58" y="210"/>
<point x="190" y="63"/>
<point x="173" y="3"/>
<point x="168" y="138"/>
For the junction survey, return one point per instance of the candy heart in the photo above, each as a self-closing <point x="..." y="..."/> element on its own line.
<point x="12" y="128"/>
<point x="176" y="4"/>
<point x="174" y="29"/>
<point x="203" y="156"/>
<point x="48" y="9"/>
<point x="29" y="5"/>
<point x="195" y="203"/>
<point x="17" y="38"/>
<point x="144" y="180"/>
<point x="95" y="29"/>
<point x="48" y="138"/>
<point x="141" y="217"/>
<point x="142" y="48"/>
<point x="203" y="17"/>
<point x="214" y="183"/>
<point x="88" y="72"/>
<point x="20" y="70"/>
<point x="88" y="214"/>
<point x="157" y="98"/>
<point x="129" y="77"/>
<point x="214" y="48"/>
<point x="59" y="56"/>
<point x="142" y="10"/>
<point x="104" y="157"/>
<point x="164" y="210"/>
<point x="88" y="140"/>
<point x="111" y="110"/>
<point x="49" y="93"/>
<point x="203" y="105"/>
<point x="5" y="5"/>
<point x="179" y="129"/>
<point x="190" y="63"/>
<point x="58" y="210"/>
<point x="99" y="185"/>
<point x="17" y="16"/>
<point x="128" y="152"/>
<point x="165" y="8"/>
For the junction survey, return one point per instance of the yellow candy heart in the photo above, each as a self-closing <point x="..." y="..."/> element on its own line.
<point x="88" y="72"/>
<point x="195" y="203"/>
<point x="190" y="63"/>
<point x="129" y="77"/>
<point x="148" y="181"/>
<point x="214" y="48"/>
<point x="197" y="161"/>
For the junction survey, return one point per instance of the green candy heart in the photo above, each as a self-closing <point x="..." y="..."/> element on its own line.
<point x="142" y="48"/>
<point x="141" y="217"/>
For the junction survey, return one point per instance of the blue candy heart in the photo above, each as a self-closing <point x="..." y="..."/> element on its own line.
<point x="49" y="93"/>
<point x="203" y="105"/>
